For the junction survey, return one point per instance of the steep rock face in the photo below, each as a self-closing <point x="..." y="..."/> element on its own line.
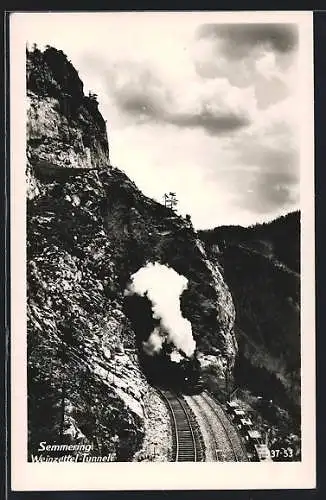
<point x="64" y="128"/>
<point x="260" y="265"/>
<point x="89" y="229"/>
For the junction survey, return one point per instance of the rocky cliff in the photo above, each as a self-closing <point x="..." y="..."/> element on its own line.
<point x="64" y="127"/>
<point x="88" y="230"/>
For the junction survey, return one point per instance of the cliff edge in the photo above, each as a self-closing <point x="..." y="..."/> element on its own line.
<point x="89" y="229"/>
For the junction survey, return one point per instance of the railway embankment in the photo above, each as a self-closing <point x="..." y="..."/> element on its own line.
<point x="157" y="444"/>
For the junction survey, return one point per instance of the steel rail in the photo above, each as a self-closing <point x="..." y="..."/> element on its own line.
<point x="183" y="445"/>
<point x="204" y="395"/>
<point x="243" y="447"/>
<point x="209" y="425"/>
<point x="170" y="409"/>
<point x="190" y="426"/>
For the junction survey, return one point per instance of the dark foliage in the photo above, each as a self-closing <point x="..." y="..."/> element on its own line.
<point x="279" y="238"/>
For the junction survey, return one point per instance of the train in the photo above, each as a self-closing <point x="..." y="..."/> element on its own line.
<point x="182" y="376"/>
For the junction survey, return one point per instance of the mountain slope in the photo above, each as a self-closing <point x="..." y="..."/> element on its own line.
<point x="261" y="266"/>
<point x="88" y="230"/>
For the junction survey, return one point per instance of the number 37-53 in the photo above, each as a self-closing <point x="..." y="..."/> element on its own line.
<point x="282" y="453"/>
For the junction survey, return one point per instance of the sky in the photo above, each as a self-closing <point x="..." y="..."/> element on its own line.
<point x="204" y="108"/>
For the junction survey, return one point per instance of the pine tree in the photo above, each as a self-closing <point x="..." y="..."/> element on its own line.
<point x="170" y="200"/>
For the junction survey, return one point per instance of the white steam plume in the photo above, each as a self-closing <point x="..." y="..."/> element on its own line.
<point x="163" y="287"/>
<point x="154" y="343"/>
<point x="176" y="357"/>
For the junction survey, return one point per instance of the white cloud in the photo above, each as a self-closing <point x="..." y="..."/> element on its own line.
<point x="219" y="168"/>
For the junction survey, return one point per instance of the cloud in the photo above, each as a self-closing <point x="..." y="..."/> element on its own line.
<point x="257" y="56"/>
<point x="214" y="123"/>
<point x="211" y="122"/>
<point x="141" y="95"/>
<point x="272" y="185"/>
<point x="237" y="39"/>
<point x="252" y="168"/>
<point x="268" y="155"/>
<point x="203" y="110"/>
<point x="229" y="132"/>
<point x="274" y="190"/>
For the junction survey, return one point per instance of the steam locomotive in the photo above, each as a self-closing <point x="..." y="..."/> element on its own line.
<point x="182" y="376"/>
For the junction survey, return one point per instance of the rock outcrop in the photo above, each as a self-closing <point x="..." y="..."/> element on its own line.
<point x="88" y="230"/>
<point x="64" y="127"/>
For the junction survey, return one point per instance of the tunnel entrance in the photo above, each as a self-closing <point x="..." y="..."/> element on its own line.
<point x="162" y="364"/>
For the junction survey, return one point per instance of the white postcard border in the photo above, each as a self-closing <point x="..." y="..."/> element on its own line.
<point x="156" y="476"/>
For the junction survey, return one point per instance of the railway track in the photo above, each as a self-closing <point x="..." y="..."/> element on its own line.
<point x="236" y="446"/>
<point x="187" y="442"/>
<point x="212" y="445"/>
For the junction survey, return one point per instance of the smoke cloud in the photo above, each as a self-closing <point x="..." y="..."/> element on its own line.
<point x="176" y="357"/>
<point x="163" y="286"/>
<point x="154" y="343"/>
